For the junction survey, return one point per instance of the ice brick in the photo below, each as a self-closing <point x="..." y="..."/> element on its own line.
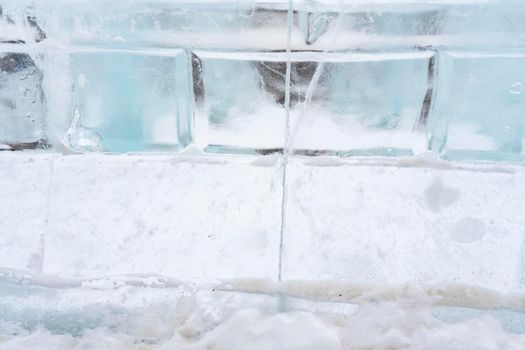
<point x="240" y="24"/>
<point x="390" y="224"/>
<point x="360" y="103"/>
<point x="239" y="101"/>
<point x="364" y="25"/>
<point x="21" y="96"/>
<point x="24" y="200"/>
<point x="22" y="21"/>
<point x="125" y="101"/>
<point x="386" y="25"/>
<point x="480" y="106"/>
<point x="114" y="215"/>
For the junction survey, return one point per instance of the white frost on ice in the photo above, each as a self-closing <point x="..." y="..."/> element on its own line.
<point x="448" y="232"/>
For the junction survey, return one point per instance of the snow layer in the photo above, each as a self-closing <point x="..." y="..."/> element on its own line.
<point x="371" y="327"/>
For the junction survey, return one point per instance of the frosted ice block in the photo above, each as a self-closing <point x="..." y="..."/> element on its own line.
<point x="388" y="225"/>
<point x="113" y="215"/>
<point x="22" y="21"/>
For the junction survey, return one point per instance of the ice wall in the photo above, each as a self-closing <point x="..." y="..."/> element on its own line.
<point x="303" y="155"/>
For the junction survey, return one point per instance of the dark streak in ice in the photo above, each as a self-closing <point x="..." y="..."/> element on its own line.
<point x="427" y="101"/>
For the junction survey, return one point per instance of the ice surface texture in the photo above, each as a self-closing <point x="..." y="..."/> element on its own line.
<point x="367" y="78"/>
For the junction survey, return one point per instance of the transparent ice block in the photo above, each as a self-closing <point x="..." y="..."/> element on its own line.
<point x="126" y="101"/>
<point x="351" y="103"/>
<point x="239" y="101"/>
<point x="21" y="97"/>
<point x="386" y="25"/>
<point x="22" y="72"/>
<point x="479" y="111"/>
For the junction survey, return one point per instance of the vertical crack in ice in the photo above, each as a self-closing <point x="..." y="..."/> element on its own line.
<point x="284" y="198"/>
<point x="312" y="86"/>
<point x="46" y="229"/>
<point x="288" y="142"/>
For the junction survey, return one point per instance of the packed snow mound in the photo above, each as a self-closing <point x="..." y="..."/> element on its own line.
<point x="373" y="326"/>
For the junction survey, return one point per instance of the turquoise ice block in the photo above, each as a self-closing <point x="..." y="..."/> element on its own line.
<point x="129" y="101"/>
<point x="479" y="109"/>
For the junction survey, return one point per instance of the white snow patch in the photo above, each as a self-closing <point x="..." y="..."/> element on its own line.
<point x="372" y="326"/>
<point x="266" y="161"/>
<point x="192" y="150"/>
<point x="324" y="161"/>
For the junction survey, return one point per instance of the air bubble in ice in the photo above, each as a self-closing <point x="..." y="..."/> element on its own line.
<point x="81" y="80"/>
<point x="118" y="40"/>
<point x="516" y="88"/>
